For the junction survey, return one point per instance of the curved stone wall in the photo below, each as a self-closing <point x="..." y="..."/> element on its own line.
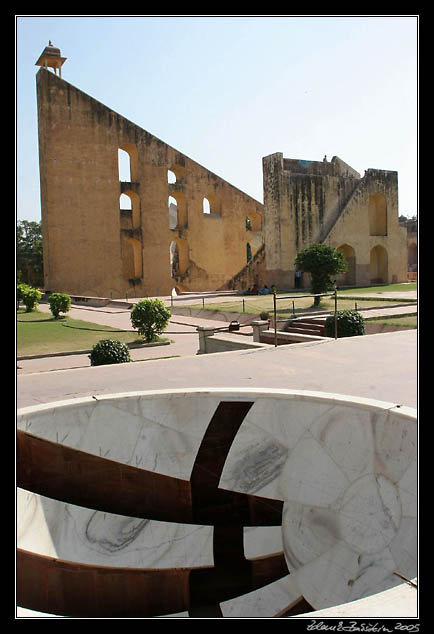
<point x="231" y="502"/>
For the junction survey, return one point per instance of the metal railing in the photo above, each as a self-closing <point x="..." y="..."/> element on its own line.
<point x="276" y="299"/>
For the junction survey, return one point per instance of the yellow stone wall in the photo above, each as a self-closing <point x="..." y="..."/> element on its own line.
<point x="370" y="226"/>
<point x="93" y="248"/>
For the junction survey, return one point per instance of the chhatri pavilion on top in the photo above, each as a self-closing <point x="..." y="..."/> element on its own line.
<point x="51" y="58"/>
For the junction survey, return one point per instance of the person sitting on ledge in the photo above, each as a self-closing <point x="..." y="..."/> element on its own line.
<point x="264" y="290"/>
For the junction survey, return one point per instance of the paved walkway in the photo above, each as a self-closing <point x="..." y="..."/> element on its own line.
<point x="382" y="367"/>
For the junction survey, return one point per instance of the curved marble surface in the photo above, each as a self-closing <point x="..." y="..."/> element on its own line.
<point x="345" y="468"/>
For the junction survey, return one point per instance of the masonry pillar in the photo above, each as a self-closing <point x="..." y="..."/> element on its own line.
<point x="258" y="326"/>
<point x="204" y="333"/>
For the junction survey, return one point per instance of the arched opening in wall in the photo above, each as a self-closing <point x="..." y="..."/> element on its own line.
<point x="174" y="259"/>
<point x="248" y="252"/>
<point x="130" y="208"/>
<point x="126" y="212"/>
<point x="124" y="165"/>
<point x="178" y="252"/>
<point x="173" y="212"/>
<point x="125" y="203"/>
<point x="128" y="162"/>
<point x="412" y="257"/>
<point x="378" y="265"/>
<point x="253" y="222"/>
<point x="348" y="278"/>
<point x="211" y="205"/>
<point x="137" y="254"/>
<point x="175" y="174"/>
<point x="177" y="212"/>
<point x="377" y="206"/>
<point x="132" y="267"/>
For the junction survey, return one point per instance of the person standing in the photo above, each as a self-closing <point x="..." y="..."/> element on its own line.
<point x="297" y="279"/>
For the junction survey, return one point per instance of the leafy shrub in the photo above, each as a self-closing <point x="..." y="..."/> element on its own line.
<point x="21" y="289"/>
<point x="350" y="324"/>
<point x="59" y="303"/>
<point x="29" y="296"/>
<point x="108" y="352"/>
<point x="264" y="315"/>
<point x="150" y="317"/>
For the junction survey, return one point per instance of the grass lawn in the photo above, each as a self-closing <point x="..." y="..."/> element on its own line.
<point x="254" y="305"/>
<point x="40" y="333"/>
<point x="408" y="322"/>
<point x="395" y="288"/>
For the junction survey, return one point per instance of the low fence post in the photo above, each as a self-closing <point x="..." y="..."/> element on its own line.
<point x="336" y="311"/>
<point x="275" y="319"/>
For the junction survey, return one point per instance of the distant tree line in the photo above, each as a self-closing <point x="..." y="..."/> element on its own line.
<point x="29" y="264"/>
<point x="410" y="223"/>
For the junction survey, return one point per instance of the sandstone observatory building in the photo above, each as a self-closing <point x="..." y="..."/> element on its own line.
<point x="183" y="226"/>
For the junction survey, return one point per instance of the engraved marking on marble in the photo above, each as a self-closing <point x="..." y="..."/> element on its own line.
<point x="113" y="536"/>
<point x="370" y="513"/>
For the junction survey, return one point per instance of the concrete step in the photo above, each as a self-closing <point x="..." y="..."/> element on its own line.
<point x="313" y="321"/>
<point x="307" y="324"/>
<point x="308" y="327"/>
<point x="306" y="331"/>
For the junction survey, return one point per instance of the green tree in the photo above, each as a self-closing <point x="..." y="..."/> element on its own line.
<point x="29" y="252"/>
<point x="150" y="317"/>
<point x="321" y="261"/>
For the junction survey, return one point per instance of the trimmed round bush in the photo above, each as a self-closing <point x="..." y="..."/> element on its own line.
<point x="108" y="352"/>
<point x="150" y="317"/>
<point x="350" y="324"/>
<point x="59" y="303"/>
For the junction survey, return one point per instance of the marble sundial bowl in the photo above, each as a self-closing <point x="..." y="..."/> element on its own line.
<point x="213" y="502"/>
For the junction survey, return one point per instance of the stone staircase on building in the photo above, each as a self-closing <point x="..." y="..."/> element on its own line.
<point x="339" y="208"/>
<point x="251" y="274"/>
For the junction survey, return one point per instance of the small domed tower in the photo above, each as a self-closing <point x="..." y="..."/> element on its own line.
<point x="51" y="58"/>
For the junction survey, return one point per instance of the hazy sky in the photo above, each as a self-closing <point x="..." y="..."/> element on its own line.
<point x="228" y="90"/>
